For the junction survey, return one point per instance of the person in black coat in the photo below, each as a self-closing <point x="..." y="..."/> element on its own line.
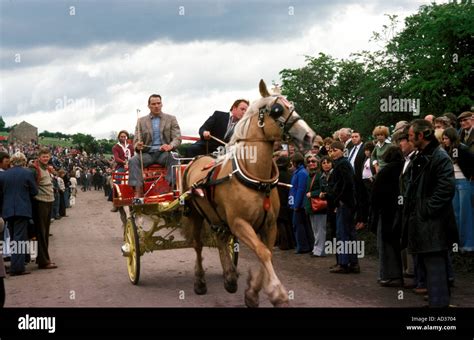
<point x="285" y="237"/>
<point x="385" y="203"/>
<point x="18" y="187"/>
<point x="429" y="226"/>
<point x="342" y="193"/>
<point x="220" y="125"/>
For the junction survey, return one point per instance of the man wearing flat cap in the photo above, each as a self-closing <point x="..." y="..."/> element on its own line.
<point x="466" y="134"/>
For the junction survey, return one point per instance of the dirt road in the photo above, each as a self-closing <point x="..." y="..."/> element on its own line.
<point x="92" y="273"/>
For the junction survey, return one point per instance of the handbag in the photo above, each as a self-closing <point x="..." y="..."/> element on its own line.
<point x="317" y="204"/>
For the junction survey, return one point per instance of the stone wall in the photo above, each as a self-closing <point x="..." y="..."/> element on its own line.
<point x="23" y="133"/>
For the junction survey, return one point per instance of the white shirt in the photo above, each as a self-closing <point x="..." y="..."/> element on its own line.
<point x="408" y="160"/>
<point x="367" y="172"/>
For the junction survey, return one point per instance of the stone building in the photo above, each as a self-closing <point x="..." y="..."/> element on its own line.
<point x="23" y="133"/>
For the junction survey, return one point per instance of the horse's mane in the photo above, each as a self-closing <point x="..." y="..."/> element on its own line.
<point x="241" y="130"/>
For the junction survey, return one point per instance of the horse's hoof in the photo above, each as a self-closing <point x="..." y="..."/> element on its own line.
<point x="200" y="288"/>
<point x="251" y="302"/>
<point x="230" y="286"/>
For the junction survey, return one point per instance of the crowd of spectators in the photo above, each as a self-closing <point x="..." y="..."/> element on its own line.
<point x="413" y="187"/>
<point x="37" y="186"/>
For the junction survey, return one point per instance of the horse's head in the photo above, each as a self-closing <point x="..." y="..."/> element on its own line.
<point x="278" y="109"/>
<point x="275" y="117"/>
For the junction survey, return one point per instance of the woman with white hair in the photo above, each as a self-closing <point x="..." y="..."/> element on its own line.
<point x="17" y="185"/>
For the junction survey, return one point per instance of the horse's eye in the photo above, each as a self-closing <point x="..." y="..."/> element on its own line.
<point x="276" y="110"/>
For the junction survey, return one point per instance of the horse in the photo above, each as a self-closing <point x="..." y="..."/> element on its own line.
<point x="241" y="195"/>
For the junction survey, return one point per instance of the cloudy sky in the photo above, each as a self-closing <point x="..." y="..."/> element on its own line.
<point x="88" y="65"/>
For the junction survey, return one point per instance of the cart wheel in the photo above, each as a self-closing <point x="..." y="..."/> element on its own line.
<point x="234" y="248"/>
<point x="133" y="259"/>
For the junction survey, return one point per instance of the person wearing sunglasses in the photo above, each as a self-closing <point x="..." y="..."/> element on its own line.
<point x="317" y="219"/>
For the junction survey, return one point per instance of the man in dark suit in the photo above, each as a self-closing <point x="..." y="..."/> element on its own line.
<point x="356" y="158"/>
<point x="18" y="187"/>
<point x="156" y="135"/>
<point x="220" y="125"/>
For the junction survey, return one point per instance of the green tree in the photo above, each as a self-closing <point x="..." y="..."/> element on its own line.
<point x="430" y="59"/>
<point x="434" y="55"/>
<point x="85" y="142"/>
<point x="311" y="89"/>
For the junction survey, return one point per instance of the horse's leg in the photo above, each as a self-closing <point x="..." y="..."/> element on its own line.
<point x="254" y="285"/>
<point x="228" y="267"/>
<point x="275" y="290"/>
<point x="196" y="222"/>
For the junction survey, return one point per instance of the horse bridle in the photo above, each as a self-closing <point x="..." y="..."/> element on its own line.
<point x="275" y="112"/>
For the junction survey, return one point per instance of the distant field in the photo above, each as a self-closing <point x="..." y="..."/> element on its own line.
<point x="47" y="140"/>
<point x="54" y="141"/>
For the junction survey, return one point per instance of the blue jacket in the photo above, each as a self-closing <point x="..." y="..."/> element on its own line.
<point x="299" y="181"/>
<point x="18" y="186"/>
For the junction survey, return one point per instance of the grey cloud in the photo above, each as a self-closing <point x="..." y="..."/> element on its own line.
<point x="33" y="23"/>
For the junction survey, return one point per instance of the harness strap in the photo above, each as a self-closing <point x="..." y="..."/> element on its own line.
<point x="259" y="140"/>
<point x="262" y="186"/>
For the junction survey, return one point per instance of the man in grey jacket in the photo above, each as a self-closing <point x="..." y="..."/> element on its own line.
<point x="156" y="135"/>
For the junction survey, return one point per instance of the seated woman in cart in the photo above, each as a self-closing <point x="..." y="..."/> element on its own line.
<point x="122" y="152"/>
<point x="156" y="135"/>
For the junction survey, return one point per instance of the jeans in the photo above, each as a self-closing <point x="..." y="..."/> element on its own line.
<point x="436" y="278"/>
<point x="463" y="203"/>
<point x="345" y="232"/>
<point x="301" y="231"/>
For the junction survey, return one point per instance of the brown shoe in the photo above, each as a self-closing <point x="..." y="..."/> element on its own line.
<point x="420" y="291"/>
<point x="48" y="266"/>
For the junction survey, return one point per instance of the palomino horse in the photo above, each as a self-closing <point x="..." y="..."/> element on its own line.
<point x="244" y="195"/>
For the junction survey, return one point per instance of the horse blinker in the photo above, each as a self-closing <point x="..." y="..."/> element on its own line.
<point x="276" y="111"/>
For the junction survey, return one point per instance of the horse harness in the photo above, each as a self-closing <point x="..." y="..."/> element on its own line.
<point x="208" y="183"/>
